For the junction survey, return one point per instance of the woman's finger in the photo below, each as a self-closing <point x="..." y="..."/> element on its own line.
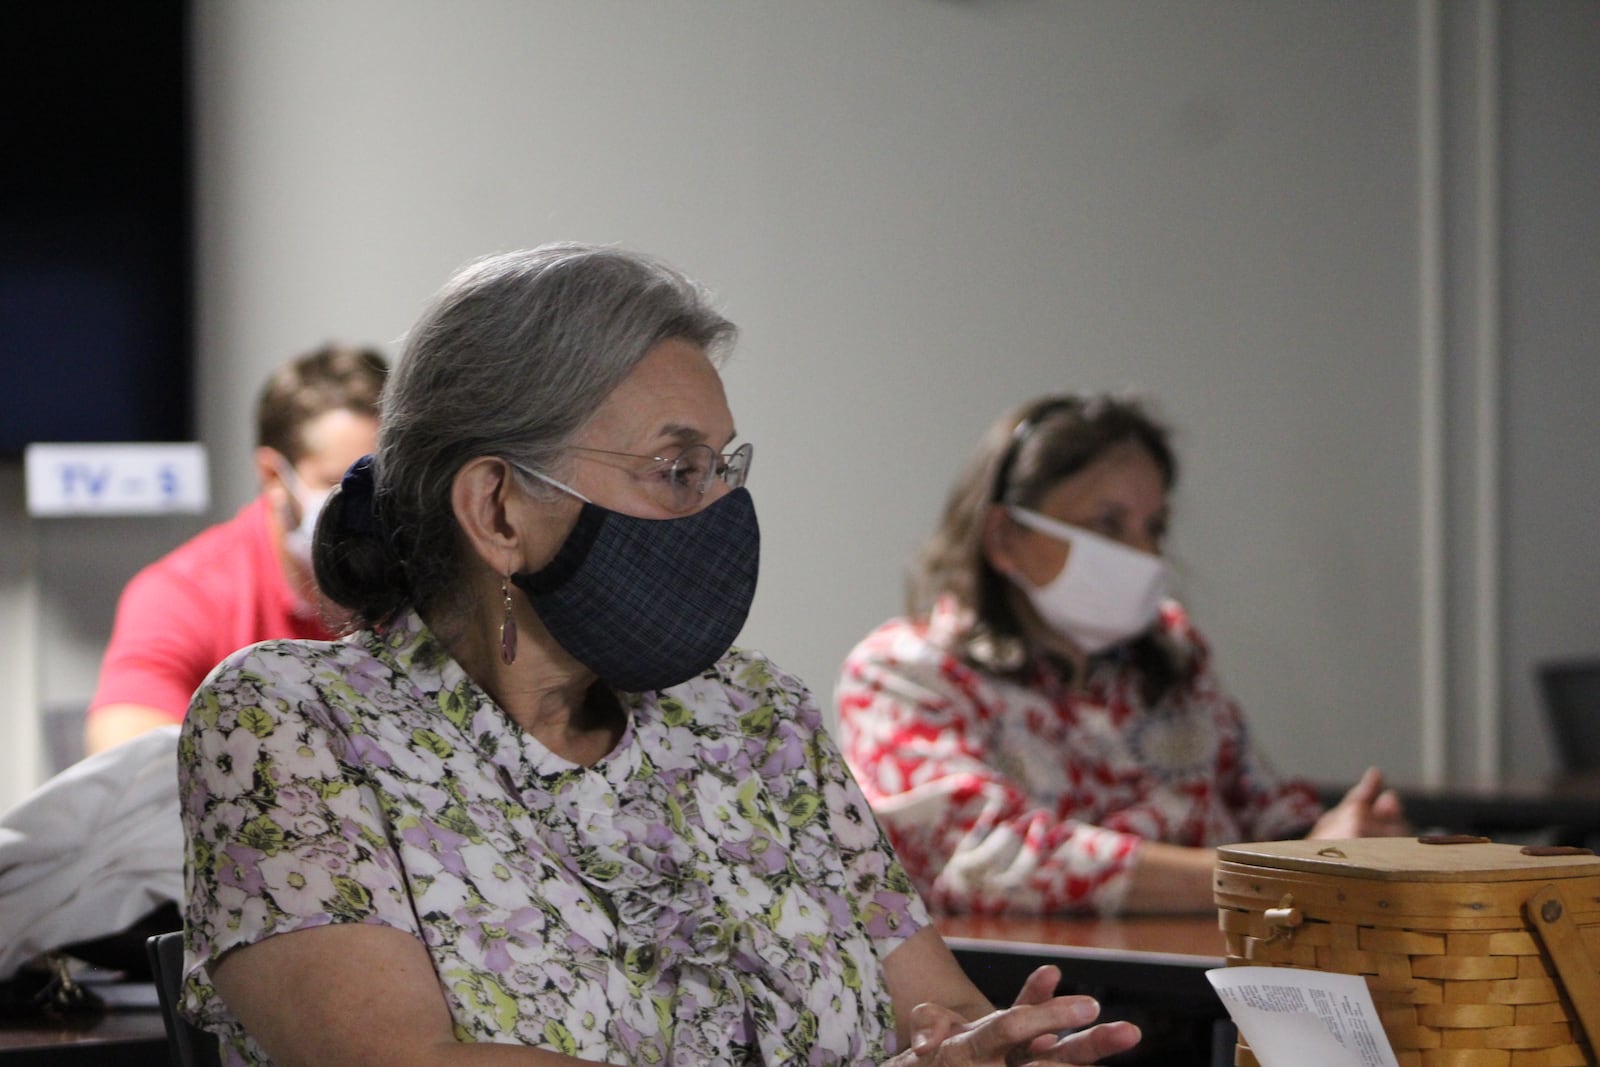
<point x="1040" y="986"/>
<point x="997" y="1038"/>
<point x="1091" y="1045"/>
<point x="931" y="1026"/>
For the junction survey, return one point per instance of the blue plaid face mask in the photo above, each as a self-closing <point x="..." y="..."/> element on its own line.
<point x="650" y="603"/>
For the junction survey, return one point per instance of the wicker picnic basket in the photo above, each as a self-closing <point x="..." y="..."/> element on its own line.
<point x="1477" y="954"/>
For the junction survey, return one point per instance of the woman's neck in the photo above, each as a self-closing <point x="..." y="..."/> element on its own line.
<point x="546" y="692"/>
<point x="1042" y="637"/>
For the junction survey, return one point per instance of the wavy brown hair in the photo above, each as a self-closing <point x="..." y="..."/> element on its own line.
<point x="335" y="377"/>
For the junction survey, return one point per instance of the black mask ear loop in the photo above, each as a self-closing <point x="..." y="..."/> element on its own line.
<point x="1024" y="430"/>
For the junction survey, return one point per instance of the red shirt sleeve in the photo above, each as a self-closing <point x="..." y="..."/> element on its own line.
<point x="163" y="644"/>
<point x="191" y="609"/>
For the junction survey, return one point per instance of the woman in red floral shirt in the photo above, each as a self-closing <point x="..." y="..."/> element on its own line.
<point x="1044" y="732"/>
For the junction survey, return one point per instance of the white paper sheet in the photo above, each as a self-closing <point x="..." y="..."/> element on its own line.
<point x="1293" y="1017"/>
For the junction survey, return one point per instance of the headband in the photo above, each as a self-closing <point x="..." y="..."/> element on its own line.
<point x="1024" y="429"/>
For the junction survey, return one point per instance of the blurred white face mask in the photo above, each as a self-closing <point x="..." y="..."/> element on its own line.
<point x="297" y="540"/>
<point x="1106" y="592"/>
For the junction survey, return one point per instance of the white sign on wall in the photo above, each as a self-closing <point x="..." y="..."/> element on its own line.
<point x="116" y="479"/>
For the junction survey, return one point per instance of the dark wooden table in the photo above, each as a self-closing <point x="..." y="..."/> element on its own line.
<point x="1148" y="970"/>
<point x="1565" y="809"/>
<point x="123" y="1037"/>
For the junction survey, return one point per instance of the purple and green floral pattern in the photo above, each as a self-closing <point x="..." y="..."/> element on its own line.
<point x="715" y="891"/>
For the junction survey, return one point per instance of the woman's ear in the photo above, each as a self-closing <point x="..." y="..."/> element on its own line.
<point x="269" y="478"/>
<point x="480" y="496"/>
<point x="998" y="531"/>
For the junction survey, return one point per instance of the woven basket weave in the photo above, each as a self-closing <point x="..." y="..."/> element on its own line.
<point x="1477" y="954"/>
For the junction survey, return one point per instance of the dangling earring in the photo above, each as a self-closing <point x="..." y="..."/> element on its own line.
<point x="508" y="626"/>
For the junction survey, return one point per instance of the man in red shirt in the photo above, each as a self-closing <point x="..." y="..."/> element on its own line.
<point x="248" y="579"/>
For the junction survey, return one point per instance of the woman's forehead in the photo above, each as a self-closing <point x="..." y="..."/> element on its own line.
<point x="1125" y="472"/>
<point x="674" y="395"/>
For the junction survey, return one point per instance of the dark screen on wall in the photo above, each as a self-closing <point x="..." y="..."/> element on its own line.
<point x="95" y="275"/>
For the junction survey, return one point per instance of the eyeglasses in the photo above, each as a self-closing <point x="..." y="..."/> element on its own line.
<point x="678" y="483"/>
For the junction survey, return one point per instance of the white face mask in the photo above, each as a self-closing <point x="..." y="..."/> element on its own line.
<point x="297" y="541"/>
<point x="1106" y="592"/>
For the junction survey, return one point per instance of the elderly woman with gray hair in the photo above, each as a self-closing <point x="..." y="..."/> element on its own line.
<point x="537" y="810"/>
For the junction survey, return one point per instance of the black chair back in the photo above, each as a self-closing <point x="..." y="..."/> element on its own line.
<point x="1571" y="690"/>
<point x="188" y="1045"/>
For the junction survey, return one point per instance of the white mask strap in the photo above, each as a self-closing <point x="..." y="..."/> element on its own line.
<point x="1067" y="533"/>
<point x="309" y="500"/>
<point x="288" y="475"/>
<point x="545" y="478"/>
<point x="1044" y="524"/>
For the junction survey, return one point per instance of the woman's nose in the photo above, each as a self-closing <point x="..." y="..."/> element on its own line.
<point x="1143" y="542"/>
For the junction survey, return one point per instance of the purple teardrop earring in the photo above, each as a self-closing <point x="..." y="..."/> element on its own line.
<point x="508" y="626"/>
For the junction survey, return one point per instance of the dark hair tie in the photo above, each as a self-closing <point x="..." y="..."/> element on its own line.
<point x="355" y="490"/>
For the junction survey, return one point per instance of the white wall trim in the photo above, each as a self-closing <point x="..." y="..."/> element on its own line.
<point x="1431" y="412"/>
<point x="1487" y="371"/>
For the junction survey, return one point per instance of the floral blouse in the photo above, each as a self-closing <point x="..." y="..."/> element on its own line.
<point x="714" y="891"/>
<point x="1004" y="797"/>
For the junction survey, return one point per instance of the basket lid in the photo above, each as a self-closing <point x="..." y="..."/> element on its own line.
<point x="1413" y="859"/>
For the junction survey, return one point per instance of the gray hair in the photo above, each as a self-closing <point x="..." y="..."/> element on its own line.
<point x="512" y="358"/>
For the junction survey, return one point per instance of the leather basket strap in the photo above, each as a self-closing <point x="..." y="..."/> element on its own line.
<point x="1549" y="916"/>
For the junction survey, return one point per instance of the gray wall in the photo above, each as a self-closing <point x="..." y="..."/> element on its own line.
<point x="1267" y="215"/>
<point x="1551" y="415"/>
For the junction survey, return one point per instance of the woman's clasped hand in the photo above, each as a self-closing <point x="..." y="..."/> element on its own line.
<point x="1039" y="1027"/>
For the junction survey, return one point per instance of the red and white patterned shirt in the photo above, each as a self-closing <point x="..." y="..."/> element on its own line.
<point x="1027" y="799"/>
